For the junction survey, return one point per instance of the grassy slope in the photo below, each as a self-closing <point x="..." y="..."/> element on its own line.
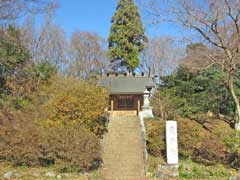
<point x="187" y="170"/>
<point x="191" y="170"/>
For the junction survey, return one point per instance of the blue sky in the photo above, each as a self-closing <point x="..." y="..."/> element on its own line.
<point x="86" y="15"/>
<point x="95" y="15"/>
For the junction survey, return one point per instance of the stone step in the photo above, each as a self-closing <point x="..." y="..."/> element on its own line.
<point x="123" y="153"/>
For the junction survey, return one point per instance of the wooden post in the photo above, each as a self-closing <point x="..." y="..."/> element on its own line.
<point x="138" y="110"/>
<point x="111" y="105"/>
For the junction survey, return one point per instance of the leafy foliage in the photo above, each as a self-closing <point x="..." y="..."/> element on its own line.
<point x="44" y="71"/>
<point x="126" y="37"/>
<point x="69" y="101"/>
<point x="19" y="76"/>
<point x="13" y="56"/>
<point x="68" y="111"/>
<point x="193" y="93"/>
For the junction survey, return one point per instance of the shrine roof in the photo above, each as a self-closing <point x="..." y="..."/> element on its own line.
<point x="126" y="84"/>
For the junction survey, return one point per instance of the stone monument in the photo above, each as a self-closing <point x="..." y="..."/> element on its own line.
<point x="171" y="169"/>
<point x="171" y="142"/>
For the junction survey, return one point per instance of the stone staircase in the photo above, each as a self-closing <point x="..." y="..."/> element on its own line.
<point x="123" y="151"/>
<point x="124" y="113"/>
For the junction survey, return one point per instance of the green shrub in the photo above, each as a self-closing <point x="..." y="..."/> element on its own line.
<point x="24" y="143"/>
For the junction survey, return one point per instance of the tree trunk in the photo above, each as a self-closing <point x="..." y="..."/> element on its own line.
<point x="236" y="101"/>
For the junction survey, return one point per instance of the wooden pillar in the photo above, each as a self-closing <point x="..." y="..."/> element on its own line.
<point x="138" y="105"/>
<point x="111" y="105"/>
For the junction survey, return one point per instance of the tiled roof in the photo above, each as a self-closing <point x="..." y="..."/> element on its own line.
<point x="127" y="84"/>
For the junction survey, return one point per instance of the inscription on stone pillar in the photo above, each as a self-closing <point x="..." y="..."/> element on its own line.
<point x="172" y="142"/>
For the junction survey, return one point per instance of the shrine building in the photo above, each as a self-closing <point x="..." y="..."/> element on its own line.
<point x="127" y="91"/>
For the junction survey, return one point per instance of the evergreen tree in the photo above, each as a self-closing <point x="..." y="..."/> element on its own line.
<point x="127" y="38"/>
<point x="191" y="94"/>
<point x="13" y="55"/>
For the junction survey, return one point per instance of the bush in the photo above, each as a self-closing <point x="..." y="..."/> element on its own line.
<point x="201" y="143"/>
<point x="66" y="115"/>
<point x="67" y="101"/>
<point x="211" y="151"/>
<point x="155" y="137"/>
<point x="233" y="143"/>
<point x="71" y="147"/>
<point x="189" y="137"/>
<point x="24" y="143"/>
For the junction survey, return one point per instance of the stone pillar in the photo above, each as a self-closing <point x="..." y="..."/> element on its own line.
<point x="237" y="126"/>
<point x="172" y="142"/>
<point x="170" y="170"/>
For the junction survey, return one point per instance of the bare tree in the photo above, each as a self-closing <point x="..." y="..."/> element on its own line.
<point x="48" y="44"/>
<point x="14" y="9"/>
<point x="88" y="54"/>
<point x="163" y="106"/>
<point x="161" y="56"/>
<point x="217" y="23"/>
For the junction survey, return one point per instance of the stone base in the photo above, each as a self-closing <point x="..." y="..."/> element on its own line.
<point x="237" y="126"/>
<point x="237" y="177"/>
<point x="146" y="112"/>
<point x="167" y="171"/>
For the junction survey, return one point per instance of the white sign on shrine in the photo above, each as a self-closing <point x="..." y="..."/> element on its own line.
<point x="172" y="142"/>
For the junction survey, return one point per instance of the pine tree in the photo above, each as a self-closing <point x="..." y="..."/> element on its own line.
<point x="127" y="38"/>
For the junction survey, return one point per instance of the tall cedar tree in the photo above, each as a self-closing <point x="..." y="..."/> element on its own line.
<point x="127" y="38"/>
